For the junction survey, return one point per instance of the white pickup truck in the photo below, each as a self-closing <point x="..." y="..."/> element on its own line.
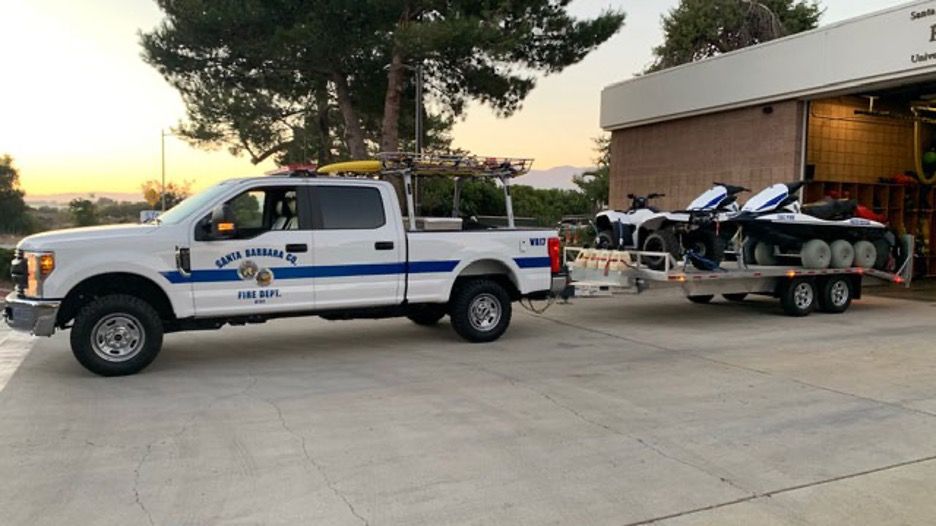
<point x="249" y="250"/>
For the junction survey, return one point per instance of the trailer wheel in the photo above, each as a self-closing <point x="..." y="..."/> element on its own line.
<point x="764" y="254"/>
<point x="816" y="254"/>
<point x="480" y="311"/>
<point x="798" y="297"/>
<point x="116" y="335"/>
<point x="865" y="254"/>
<point x="740" y="296"/>
<point x="836" y="295"/>
<point x="663" y="240"/>
<point x="884" y="250"/>
<point x="843" y="254"/>
<point x="701" y="300"/>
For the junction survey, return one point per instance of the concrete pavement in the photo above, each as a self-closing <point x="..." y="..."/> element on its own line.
<point x="609" y="411"/>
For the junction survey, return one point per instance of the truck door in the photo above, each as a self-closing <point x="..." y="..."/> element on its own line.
<point x="263" y="266"/>
<point x="360" y="252"/>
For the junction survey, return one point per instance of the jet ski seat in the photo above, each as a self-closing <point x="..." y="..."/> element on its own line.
<point x="832" y="209"/>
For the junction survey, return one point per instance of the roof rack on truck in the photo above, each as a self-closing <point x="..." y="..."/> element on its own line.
<point x="409" y="165"/>
<point x="800" y="290"/>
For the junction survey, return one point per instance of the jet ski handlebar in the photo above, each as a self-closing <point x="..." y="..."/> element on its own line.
<point x="732" y="189"/>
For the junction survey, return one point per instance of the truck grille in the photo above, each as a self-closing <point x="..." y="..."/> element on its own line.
<point x="19" y="270"/>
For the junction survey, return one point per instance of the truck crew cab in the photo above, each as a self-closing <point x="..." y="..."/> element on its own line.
<point x="249" y="250"/>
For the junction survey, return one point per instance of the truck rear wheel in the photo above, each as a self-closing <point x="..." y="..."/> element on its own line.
<point x="116" y="335"/>
<point x="480" y="311"/>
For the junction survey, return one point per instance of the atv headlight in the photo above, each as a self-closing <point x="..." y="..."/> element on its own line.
<point x="38" y="266"/>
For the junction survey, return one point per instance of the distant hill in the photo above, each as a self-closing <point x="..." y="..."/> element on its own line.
<point x="558" y="177"/>
<point x="60" y="200"/>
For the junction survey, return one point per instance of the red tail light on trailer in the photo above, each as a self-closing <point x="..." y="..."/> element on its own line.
<point x="555" y="261"/>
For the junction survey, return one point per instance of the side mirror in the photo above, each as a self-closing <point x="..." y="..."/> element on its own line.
<point x="222" y="222"/>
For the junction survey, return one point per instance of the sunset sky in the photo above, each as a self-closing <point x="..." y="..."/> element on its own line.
<point x="81" y="112"/>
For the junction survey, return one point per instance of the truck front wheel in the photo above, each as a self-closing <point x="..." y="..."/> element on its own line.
<point x="480" y="311"/>
<point x="116" y="335"/>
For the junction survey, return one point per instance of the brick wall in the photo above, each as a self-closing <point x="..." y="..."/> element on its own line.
<point x="844" y="146"/>
<point x="682" y="158"/>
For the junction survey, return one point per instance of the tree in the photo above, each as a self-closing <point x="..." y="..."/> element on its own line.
<point x="83" y="212"/>
<point x="290" y="78"/>
<point x="595" y="185"/>
<point x="698" y="29"/>
<point x="13" y="211"/>
<point x="175" y="193"/>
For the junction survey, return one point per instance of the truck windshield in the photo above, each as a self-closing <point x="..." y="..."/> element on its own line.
<point x="190" y="204"/>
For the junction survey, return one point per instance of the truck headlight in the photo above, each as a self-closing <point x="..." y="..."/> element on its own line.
<point x="39" y="265"/>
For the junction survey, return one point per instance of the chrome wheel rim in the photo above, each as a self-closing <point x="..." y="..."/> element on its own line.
<point x="117" y="337"/>
<point x="839" y="293"/>
<point x="484" y="313"/>
<point x="803" y="296"/>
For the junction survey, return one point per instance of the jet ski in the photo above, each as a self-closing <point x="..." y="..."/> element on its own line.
<point x="823" y="235"/>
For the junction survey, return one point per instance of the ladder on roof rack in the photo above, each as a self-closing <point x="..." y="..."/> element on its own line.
<point x="454" y="165"/>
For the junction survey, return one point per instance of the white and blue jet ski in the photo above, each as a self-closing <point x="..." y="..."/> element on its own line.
<point x="827" y="234"/>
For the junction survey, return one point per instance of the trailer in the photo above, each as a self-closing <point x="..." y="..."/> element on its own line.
<point x="801" y="291"/>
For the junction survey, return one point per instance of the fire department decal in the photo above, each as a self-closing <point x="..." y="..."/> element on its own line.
<point x="249" y="270"/>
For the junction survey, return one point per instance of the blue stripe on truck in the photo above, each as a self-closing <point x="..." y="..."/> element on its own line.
<point x="533" y="262"/>
<point x="340" y="271"/>
<point x="321" y="271"/>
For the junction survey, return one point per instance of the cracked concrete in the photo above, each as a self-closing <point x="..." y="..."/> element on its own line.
<point x="629" y="410"/>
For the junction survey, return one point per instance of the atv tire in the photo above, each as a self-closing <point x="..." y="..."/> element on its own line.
<point x="865" y="254"/>
<point x="705" y="244"/>
<point x="843" y="254"/>
<point x="663" y="240"/>
<point x="605" y="240"/>
<point x="816" y="254"/>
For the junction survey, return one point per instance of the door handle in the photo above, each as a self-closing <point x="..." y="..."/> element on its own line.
<point x="297" y="247"/>
<point x="383" y="245"/>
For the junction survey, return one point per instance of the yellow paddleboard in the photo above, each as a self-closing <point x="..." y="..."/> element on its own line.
<point x="368" y="166"/>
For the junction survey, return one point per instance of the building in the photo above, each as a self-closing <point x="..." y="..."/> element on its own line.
<point x="849" y="107"/>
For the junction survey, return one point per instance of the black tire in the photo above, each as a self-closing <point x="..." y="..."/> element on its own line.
<point x="799" y="297"/>
<point x="427" y="316"/>
<point x="707" y="245"/>
<point x="747" y="251"/>
<point x="130" y="320"/>
<point x="465" y="320"/>
<point x="740" y="296"/>
<point x="702" y="300"/>
<point x="605" y="240"/>
<point x="835" y="296"/>
<point x="663" y="240"/>
<point x="884" y="251"/>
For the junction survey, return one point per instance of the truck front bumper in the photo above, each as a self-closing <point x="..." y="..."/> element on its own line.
<point x="36" y="317"/>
